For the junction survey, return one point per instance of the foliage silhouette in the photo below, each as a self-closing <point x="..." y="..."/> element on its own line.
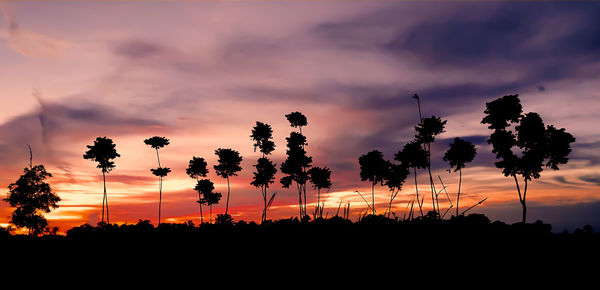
<point x="103" y="152"/>
<point x="264" y="175"/>
<point x="297" y="120"/>
<point x="158" y="143"/>
<point x="32" y="196"/>
<point x="374" y="169"/>
<point x="320" y="178"/>
<point x="229" y="165"/>
<point x="206" y="196"/>
<point x="414" y="156"/>
<point x="262" y="134"/>
<point x="197" y="168"/>
<point x="265" y="169"/>
<point x="427" y="130"/>
<point x="394" y="179"/>
<point x="538" y="144"/>
<point x="295" y="167"/>
<point x="460" y="153"/>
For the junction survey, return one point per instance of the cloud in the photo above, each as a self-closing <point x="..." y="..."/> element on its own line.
<point x="591" y="179"/>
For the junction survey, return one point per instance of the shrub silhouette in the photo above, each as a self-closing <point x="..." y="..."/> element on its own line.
<point x="374" y="169"/>
<point x="103" y="152"/>
<point x="158" y="143"/>
<point x="197" y="168"/>
<point x="538" y="144"/>
<point x="32" y="196"/>
<point x="229" y="165"/>
<point x="460" y="153"/>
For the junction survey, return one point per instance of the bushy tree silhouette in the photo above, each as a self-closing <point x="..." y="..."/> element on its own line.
<point x="265" y="169"/>
<point x="197" y="168"/>
<point x="414" y="156"/>
<point x="538" y="144"/>
<point x="458" y="155"/>
<point x="229" y="165"/>
<point x="297" y="120"/>
<point x="32" y="196"/>
<point x="206" y="196"/>
<point x="295" y="167"/>
<point x="320" y="178"/>
<point x="158" y="143"/>
<point x="374" y="169"/>
<point x="103" y="152"/>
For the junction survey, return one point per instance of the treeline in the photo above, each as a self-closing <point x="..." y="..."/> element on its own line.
<point x="522" y="143"/>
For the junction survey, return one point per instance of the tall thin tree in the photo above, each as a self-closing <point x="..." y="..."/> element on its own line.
<point x="427" y="130"/>
<point x="414" y="156"/>
<point x="374" y="169"/>
<point x="320" y="178"/>
<point x="265" y="169"/>
<point x="229" y="165"/>
<point x="458" y="155"/>
<point x="158" y="143"/>
<point x="103" y="152"/>
<point x="197" y="168"/>
<point x="295" y="167"/>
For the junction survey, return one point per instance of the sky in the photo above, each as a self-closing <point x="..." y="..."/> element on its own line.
<point x="202" y="73"/>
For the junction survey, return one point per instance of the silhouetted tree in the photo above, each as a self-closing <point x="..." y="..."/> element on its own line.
<point x="374" y="169"/>
<point x="103" y="152"/>
<point x="320" y="178"/>
<point x="538" y="144"/>
<point x="197" y="168"/>
<point x="394" y="179"/>
<point x="297" y="120"/>
<point x="427" y="130"/>
<point x="229" y="165"/>
<point x="206" y="196"/>
<point x="265" y="169"/>
<point x="460" y="153"/>
<point x="32" y="196"/>
<point x="262" y="135"/>
<point x="414" y="156"/>
<point x="158" y="143"/>
<point x="264" y="175"/>
<point x="295" y="167"/>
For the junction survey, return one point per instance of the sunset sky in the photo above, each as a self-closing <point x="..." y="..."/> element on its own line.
<point x="202" y="73"/>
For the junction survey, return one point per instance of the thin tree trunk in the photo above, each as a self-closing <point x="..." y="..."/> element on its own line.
<point x="104" y="199"/>
<point x="459" y="183"/>
<point x="227" y="204"/>
<point x="373" y="197"/>
<point x="417" y="190"/>
<point x="159" y="197"/>
<point x="521" y="200"/>
<point x="264" y="193"/>
<point x="524" y="203"/>
<point x="433" y="199"/>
